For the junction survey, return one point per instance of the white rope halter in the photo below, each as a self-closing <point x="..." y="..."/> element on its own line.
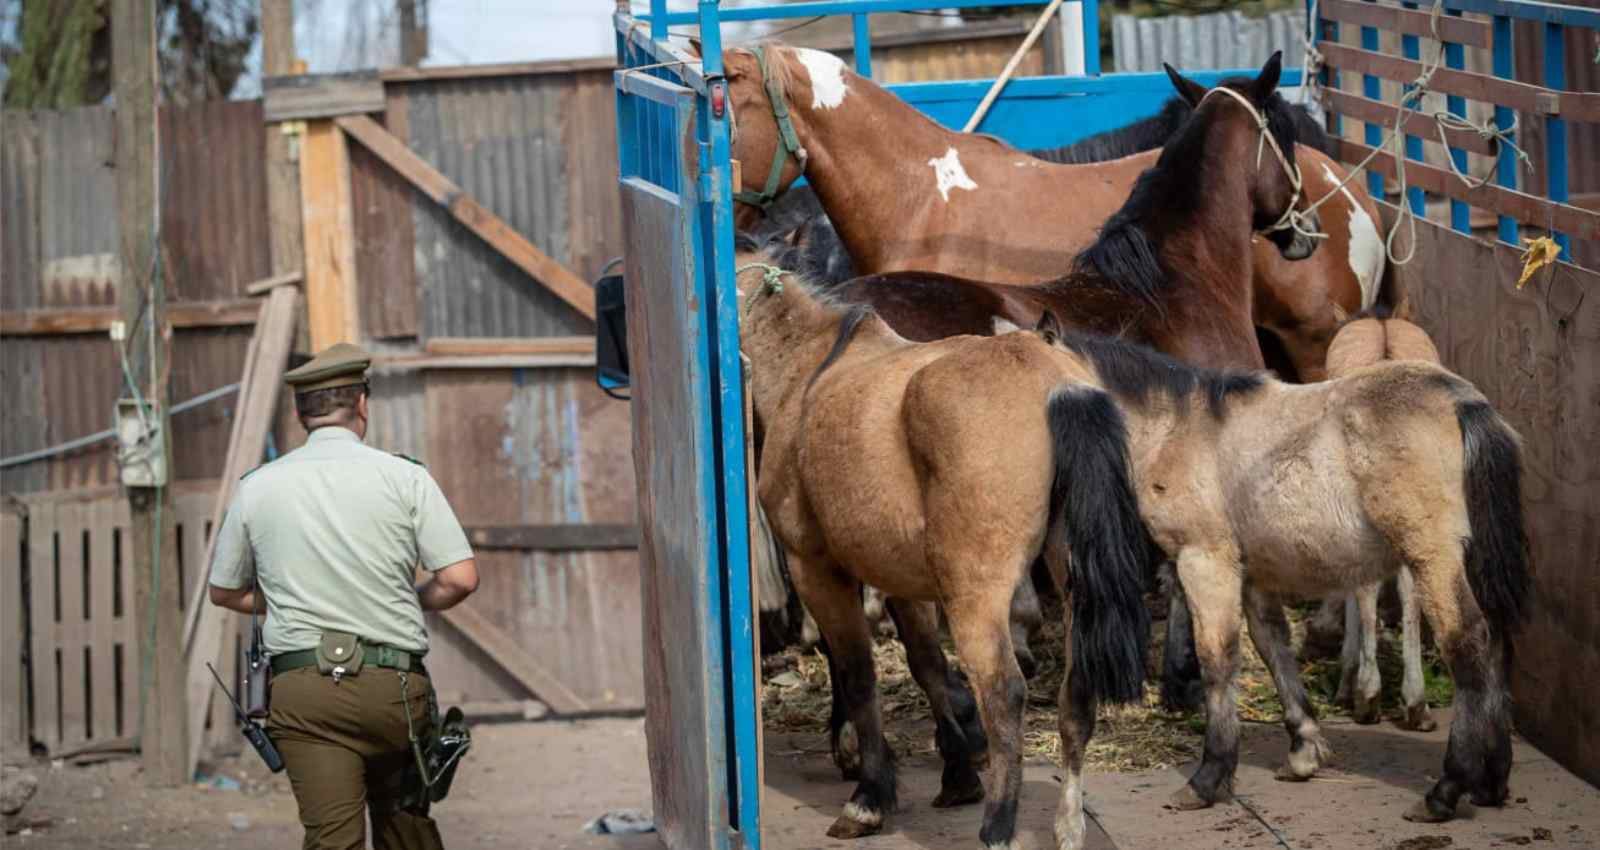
<point x="1292" y="219"/>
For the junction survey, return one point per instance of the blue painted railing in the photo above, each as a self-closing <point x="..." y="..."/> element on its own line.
<point x="1555" y="18"/>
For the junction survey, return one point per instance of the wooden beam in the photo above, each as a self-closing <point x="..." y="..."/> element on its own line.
<point x="1417" y="124"/>
<point x="413" y="362"/>
<point x="573" y="537"/>
<point x="330" y="257"/>
<point x="503" y="650"/>
<point x="1536" y="100"/>
<point x="206" y="624"/>
<point x="477" y="346"/>
<point x="501" y="69"/>
<point x="152" y="542"/>
<point x="1579" y="223"/>
<point x="267" y="284"/>
<point x="489" y="227"/>
<point x="1459" y="30"/>
<point x="82" y="320"/>
<point x="298" y="97"/>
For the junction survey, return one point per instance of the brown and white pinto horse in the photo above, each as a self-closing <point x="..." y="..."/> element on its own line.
<point x="907" y="194"/>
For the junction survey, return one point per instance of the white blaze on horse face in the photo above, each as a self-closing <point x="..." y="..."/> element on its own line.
<point x="948" y="171"/>
<point x="1367" y="255"/>
<point x="827" y="77"/>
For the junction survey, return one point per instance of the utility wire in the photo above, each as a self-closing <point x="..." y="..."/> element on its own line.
<point x="99" y="436"/>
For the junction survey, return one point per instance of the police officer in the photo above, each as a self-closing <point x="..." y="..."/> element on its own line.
<point x="327" y="539"/>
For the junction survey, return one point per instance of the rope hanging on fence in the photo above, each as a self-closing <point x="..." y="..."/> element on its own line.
<point x="1418" y="90"/>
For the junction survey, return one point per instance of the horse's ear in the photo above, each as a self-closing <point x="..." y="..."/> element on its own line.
<point x="1049" y="327"/>
<point x="1188" y="89"/>
<point x="1267" y="81"/>
<point x="797" y="236"/>
<point x="694" y="46"/>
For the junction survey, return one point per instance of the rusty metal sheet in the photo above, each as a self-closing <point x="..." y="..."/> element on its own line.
<point x="589" y="136"/>
<point x="19" y="221"/>
<point x="499" y="139"/>
<point x="65" y="225"/>
<point x="214" y="199"/>
<point x="542" y="446"/>
<point x="1536" y="354"/>
<point x="66" y="387"/>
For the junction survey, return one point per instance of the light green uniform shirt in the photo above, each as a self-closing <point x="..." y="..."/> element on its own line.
<point x="335" y="530"/>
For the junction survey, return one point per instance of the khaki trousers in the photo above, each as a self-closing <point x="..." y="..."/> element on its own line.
<point x="345" y="746"/>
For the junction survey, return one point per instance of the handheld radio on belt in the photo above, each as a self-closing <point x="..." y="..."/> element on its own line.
<point x="251" y="730"/>
<point x="257" y="670"/>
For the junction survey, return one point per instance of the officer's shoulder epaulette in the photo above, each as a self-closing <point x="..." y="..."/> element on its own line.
<point x="404" y="456"/>
<point x="252" y="472"/>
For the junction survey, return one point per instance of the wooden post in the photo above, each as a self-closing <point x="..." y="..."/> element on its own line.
<point x="153" y="541"/>
<point x="330" y="257"/>
<point x="283" y="177"/>
<point x="413" y="38"/>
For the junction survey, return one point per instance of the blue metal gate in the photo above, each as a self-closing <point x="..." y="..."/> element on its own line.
<point x="688" y="427"/>
<point x="687" y="395"/>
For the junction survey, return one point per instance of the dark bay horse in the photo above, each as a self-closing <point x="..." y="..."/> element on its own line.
<point x="906" y="194"/>
<point x="939" y="471"/>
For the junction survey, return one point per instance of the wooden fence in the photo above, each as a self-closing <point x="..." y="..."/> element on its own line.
<point x="71" y="655"/>
<point x="1533" y="349"/>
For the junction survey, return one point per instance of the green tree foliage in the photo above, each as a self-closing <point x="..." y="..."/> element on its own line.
<point x="61" y="54"/>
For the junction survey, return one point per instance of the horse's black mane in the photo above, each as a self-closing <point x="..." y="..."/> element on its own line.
<point x="853" y="317"/>
<point x="1153" y="132"/>
<point x="1124" y="257"/>
<point x="1133" y="373"/>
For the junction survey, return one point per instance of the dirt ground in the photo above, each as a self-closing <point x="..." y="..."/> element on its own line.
<point x="534" y="785"/>
<point x="524" y="785"/>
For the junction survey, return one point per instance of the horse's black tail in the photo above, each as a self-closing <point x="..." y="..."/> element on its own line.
<point x="1095" y="511"/>
<point x="1497" y="552"/>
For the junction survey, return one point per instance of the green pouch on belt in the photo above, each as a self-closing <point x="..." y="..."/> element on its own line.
<point x="339" y="654"/>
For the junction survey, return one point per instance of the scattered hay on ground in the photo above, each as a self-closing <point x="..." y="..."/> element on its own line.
<point x="796" y="699"/>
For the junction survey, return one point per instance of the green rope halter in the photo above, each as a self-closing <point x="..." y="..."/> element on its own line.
<point x="789" y="142"/>
<point x="771" y="276"/>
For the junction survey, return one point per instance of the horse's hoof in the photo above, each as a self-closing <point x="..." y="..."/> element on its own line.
<point x="1365" y="711"/>
<point x="1490" y="799"/>
<point x="1419" y="719"/>
<point x="847" y="827"/>
<point x="1186" y="799"/>
<point x="1312" y="753"/>
<point x="1026" y="661"/>
<point x="1426" y="811"/>
<point x="1287" y="773"/>
<point x="961" y="794"/>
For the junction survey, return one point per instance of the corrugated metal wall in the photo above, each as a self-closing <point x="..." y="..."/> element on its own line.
<point x="60" y="248"/>
<point x="1222" y="40"/>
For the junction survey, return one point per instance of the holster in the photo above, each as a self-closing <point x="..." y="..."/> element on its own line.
<point x="257" y="677"/>
<point x="435" y="757"/>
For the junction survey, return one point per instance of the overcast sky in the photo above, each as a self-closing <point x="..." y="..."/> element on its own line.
<point x="342" y="35"/>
